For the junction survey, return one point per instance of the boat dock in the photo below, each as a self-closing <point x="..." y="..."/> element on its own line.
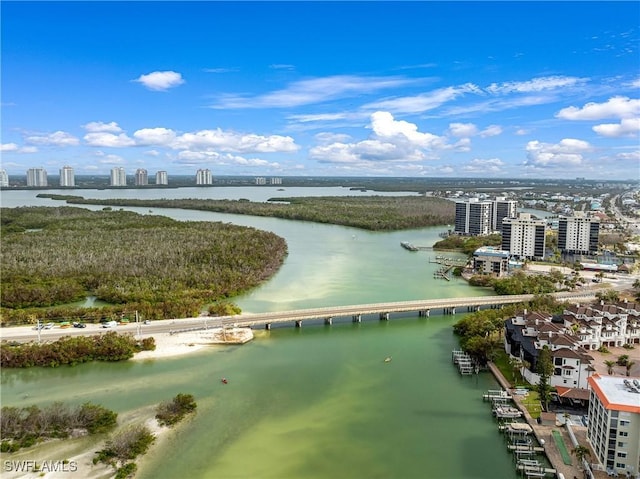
<point x="464" y="362"/>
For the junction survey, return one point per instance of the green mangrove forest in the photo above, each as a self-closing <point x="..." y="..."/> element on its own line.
<point x="375" y="213"/>
<point x="157" y="266"/>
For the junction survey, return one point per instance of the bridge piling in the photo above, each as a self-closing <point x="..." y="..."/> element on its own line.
<point x="356" y="318"/>
<point x="267" y="326"/>
<point x="328" y="321"/>
<point x="298" y="323"/>
<point x="384" y="316"/>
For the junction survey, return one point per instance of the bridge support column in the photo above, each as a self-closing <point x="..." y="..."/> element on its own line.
<point x="328" y="321"/>
<point x="477" y="308"/>
<point x="453" y="310"/>
<point x="384" y="316"/>
<point x="267" y="326"/>
<point x="356" y="318"/>
<point x="423" y="313"/>
<point x="298" y="324"/>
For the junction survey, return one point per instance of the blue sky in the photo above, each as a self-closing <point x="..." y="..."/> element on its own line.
<point x="424" y="89"/>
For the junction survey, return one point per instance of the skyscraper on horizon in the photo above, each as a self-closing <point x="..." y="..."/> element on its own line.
<point x="162" y="178"/>
<point x="118" y="176"/>
<point x="4" y="178"/>
<point x="67" y="177"/>
<point x="204" y="177"/>
<point x="37" y="177"/>
<point x="141" y="177"/>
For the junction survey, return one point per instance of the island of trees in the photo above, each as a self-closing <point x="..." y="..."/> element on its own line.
<point x="162" y="268"/>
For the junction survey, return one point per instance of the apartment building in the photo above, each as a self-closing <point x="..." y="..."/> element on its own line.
<point x="489" y="260"/>
<point x="609" y="325"/>
<point x="162" y="178"/>
<point x="524" y="237"/>
<point x="4" y="178"/>
<point x="473" y="217"/>
<point x="118" y="177"/>
<point x="578" y="234"/>
<point x="141" y="177"/>
<point x="614" y="423"/>
<point x="37" y="177"/>
<point x="67" y="177"/>
<point x="502" y="208"/>
<point x="527" y="333"/>
<point x="204" y="177"/>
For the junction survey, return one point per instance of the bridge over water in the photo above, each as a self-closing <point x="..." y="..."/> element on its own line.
<point x="384" y="310"/>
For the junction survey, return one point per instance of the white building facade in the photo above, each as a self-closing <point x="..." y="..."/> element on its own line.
<point x="37" y="177"/>
<point x="67" y="177"/>
<point x="118" y="177"/>
<point x="473" y="217"/>
<point x="162" y="178"/>
<point x="524" y="237"/>
<point x="578" y="234"/>
<point x="141" y="177"/>
<point x="614" y="423"/>
<point x="204" y="177"/>
<point x="4" y="178"/>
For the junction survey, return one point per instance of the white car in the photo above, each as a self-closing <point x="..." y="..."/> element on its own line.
<point x="48" y="326"/>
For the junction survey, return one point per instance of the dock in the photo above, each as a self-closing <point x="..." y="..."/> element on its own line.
<point x="464" y="362"/>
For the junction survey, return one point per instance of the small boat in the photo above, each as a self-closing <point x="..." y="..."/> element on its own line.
<point x="224" y="381"/>
<point x="387" y="359"/>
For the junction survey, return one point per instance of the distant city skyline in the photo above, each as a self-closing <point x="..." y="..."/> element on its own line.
<point x="397" y="89"/>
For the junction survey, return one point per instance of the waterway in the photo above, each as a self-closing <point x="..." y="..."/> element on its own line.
<point x="315" y="402"/>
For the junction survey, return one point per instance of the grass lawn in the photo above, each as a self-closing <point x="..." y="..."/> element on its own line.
<point x="532" y="403"/>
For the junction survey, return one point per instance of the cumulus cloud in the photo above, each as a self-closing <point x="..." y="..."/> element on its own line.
<point x="195" y="158"/>
<point x="160" y="81"/>
<point x="95" y="126"/>
<point x="491" y="130"/>
<point x="568" y="152"/>
<point x="392" y="141"/>
<point x="154" y="136"/>
<point x="615" y="107"/>
<point x="9" y="147"/>
<point x="109" y="140"/>
<point x="463" y="130"/>
<point x="58" y="138"/>
<point x="631" y="155"/>
<point x="477" y="165"/>
<point x="628" y="127"/>
<point x="234" y="142"/>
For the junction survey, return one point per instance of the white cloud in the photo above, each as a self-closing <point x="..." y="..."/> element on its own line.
<point x="477" y="165"/>
<point x="234" y="142"/>
<point x="491" y="130"/>
<point x="154" y="136"/>
<point x="632" y="155"/>
<point x="105" y="139"/>
<point x="463" y="130"/>
<point x="568" y="152"/>
<point x="160" y="81"/>
<point x="628" y="127"/>
<point x="213" y="157"/>
<point x="425" y="101"/>
<point x="9" y="147"/>
<point x="331" y="137"/>
<point x="615" y="107"/>
<point x="95" y="126"/>
<point x="58" y="138"/>
<point x="535" y="85"/>
<point x="392" y="141"/>
<point x="315" y="90"/>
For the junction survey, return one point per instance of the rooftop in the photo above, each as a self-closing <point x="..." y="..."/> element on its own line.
<point x="614" y="394"/>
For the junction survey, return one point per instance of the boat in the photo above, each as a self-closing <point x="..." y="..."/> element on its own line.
<point x="506" y="412"/>
<point x="387" y="359"/>
<point x="224" y="381"/>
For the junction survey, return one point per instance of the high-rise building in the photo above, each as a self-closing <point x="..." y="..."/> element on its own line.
<point x="37" y="177"/>
<point x="524" y="237"/>
<point x="162" y="178"/>
<point x="67" y="177"/>
<point x="275" y="181"/>
<point x="502" y="208"/>
<point x="473" y="217"/>
<point x="578" y="234"/>
<point x="118" y="176"/>
<point x="4" y="178"/>
<point x="141" y="177"/>
<point x="261" y="180"/>
<point x="614" y="423"/>
<point x="204" y="177"/>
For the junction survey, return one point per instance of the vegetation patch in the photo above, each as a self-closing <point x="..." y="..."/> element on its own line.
<point x="73" y="350"/>
<point x="160" y="267"/>
<point x="171" y="412"/>
<point x="376" y="213"/>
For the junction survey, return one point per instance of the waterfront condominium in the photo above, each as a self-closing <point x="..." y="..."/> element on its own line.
<point x="141" y="177"/>
<point x="162" y="178"/>
<point x="524" y="236"/>
<point x="37" y="177"/>
<point x="204" y="177"/>
<point x="118" y="176"/>
<point x="4" y="178"/>
<point x="502" y="208"/>
<point x="614" y="423"/>
<point x="578" y="234"/>
<point x="67" y="177"/>
<point x="473" y="217"/>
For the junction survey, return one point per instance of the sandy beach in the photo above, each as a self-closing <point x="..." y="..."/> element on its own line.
<point x="176" y="344"/>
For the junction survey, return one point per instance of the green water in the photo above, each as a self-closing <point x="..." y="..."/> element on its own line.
<point x="317" y="402"/>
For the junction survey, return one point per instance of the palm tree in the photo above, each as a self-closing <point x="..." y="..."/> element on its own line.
<point x="581" y="452"/>
<point x="628" y="367"/>
<point x="610" y="364"/>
